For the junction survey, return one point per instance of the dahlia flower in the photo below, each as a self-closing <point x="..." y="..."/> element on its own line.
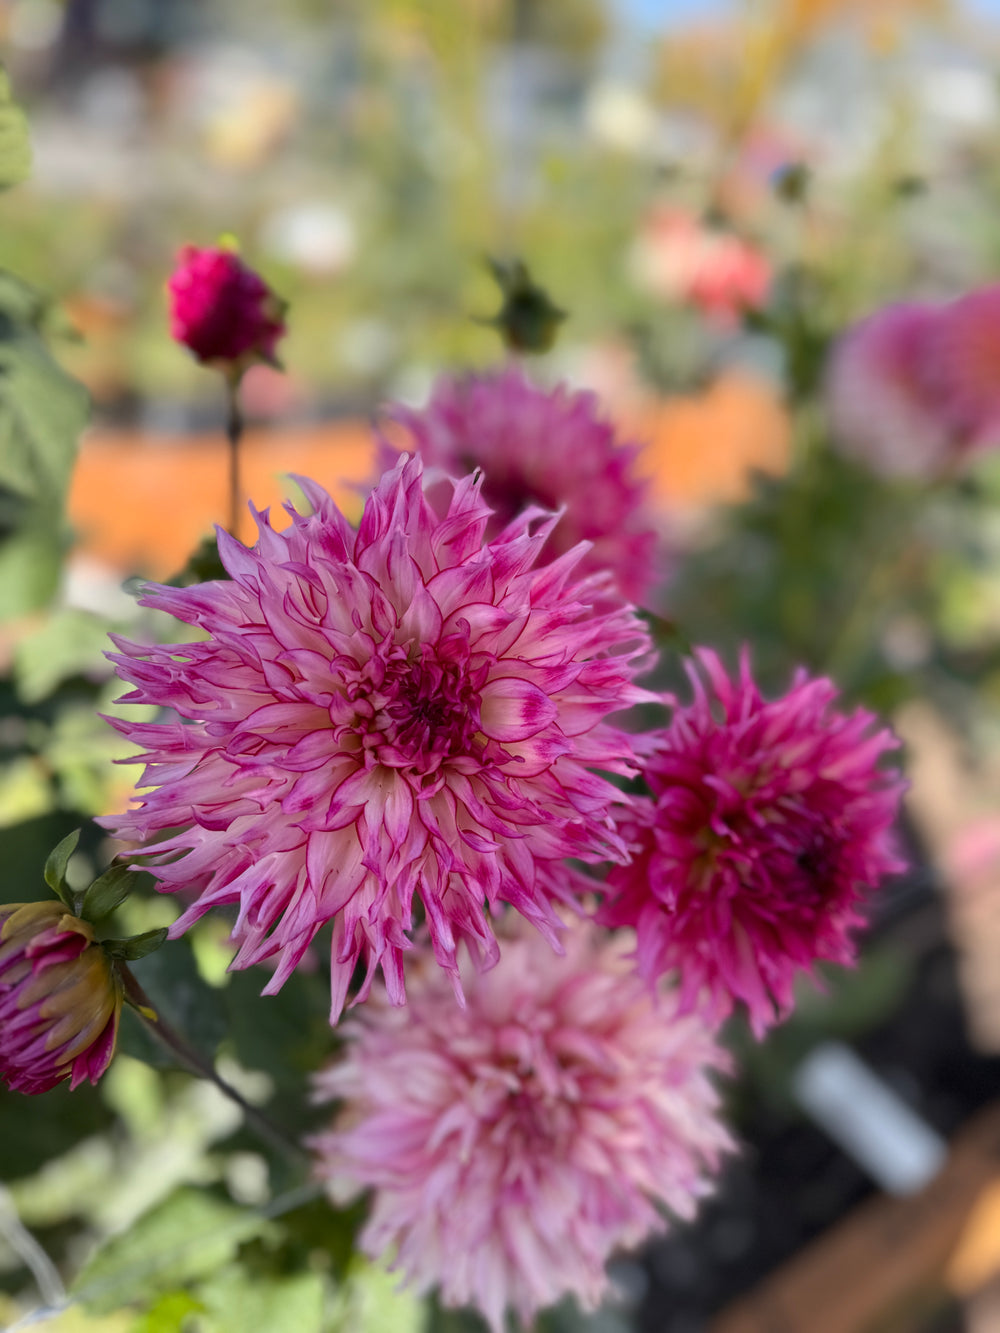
<point x="60" y="999"/>
<point x="513" y="1145"/>
<point x="678" y="258"/>
<point x="768" y="822"/>
<point x="964" y="368"/>
<point x="885" y="411"/>
<point x="404" y="711"/>
<point x="548" y="448"/>
<point x="223" y="311"/>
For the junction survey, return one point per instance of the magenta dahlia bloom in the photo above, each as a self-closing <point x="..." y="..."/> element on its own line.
<point x="406" y="711"/>
<point x="512" y="1146"/>
<point x="768" y="823"/>
<point x="543" y="447"/>
<point x="223" y="311"/>
<point x="60" y="999"/>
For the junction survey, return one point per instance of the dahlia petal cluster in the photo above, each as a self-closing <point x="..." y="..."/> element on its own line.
<point x="60" y="999"/>
<point x="223" y="311"/>
<point x="409" y="711"/>
<point x="679" y="258"/>
<point x="549" y="448"/>
<point x="768" y="822"/>
<point x="513" y="1145"/>
<point x="912" y="389"/>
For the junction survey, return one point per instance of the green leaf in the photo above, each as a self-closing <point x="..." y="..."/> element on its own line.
<point x="237" y="1303"/>
<point x="108" y="892"/>
<point x="139" y="946"/>
<point x="15" y="145"/>
<point x="69" y="643"/>
<point x="30" y="560"/>
<point x="55" y="868"/>
<point x="42" y="412"/>
<point x="187" y="1237"/>
<point x="169" y="1314"/>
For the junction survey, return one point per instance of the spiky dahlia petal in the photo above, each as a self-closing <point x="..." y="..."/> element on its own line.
<point x="403" y="712"/>
<point x="548" y="448"/>
<point x="513" y="1145"/>
<point x="768" y="823"/>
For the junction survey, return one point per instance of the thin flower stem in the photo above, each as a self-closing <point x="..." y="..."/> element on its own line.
<point x="191" y="1060"/>
<point x="234" y="433"/>
<point x="31" y="1254"/>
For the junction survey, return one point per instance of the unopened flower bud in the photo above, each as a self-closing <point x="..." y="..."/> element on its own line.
<point x="223" y="311"/>
<point x="60" y="998"/>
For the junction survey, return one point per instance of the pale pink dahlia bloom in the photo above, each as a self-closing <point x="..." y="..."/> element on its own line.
<point x="543" y="447"/>
<point x="405" y="711"/>
<point x="60" y="999"/>
<point x="512" y="1146"/>
<point x="885" y="411"/>
<point x="769" y="821"/>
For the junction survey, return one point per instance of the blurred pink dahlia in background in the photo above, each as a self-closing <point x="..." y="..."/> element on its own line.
<point x="223" y="311"/>
<point x="403" y="711"/>
<point x="768" y="823"/>
<point x="542" y="447"/>
<point x="513" y="1146"/>
<point x="60" y="999"/>
<point x="964" y="368"/>
<point x="885" y="411"/>
<point x="677" y="257"/>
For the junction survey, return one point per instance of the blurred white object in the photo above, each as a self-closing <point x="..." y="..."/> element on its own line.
<point x="317" y="237"/>
<point x="619" y="117"/>
<point x="868" y="1120"/>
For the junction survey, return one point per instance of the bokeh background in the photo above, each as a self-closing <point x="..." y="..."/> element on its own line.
<point x="829" y="156"/>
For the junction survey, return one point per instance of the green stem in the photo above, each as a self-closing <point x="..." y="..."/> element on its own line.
<point x="194" y="1063"/>
<point x="234" y="433"/>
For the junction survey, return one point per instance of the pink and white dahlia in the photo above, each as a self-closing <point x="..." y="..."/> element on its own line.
<point x="60" y="999"/>
<point x="512" y="1146"/>
<point x="885" y="410"/>
<point x="407" y="711"/>
<point x="769" y="821"/>
<point x="543" y="447"/>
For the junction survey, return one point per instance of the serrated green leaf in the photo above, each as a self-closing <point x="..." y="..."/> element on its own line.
<point x="55" y="867"/>
<point x="15" y="144"/>
<point x="108" y="892"/>
<point x="187" y="1237"/>
<point x="140" y="946"/>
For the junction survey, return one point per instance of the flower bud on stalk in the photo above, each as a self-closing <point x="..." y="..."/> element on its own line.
<point x="223" y="311"/>
<point x="60" y="998"/>
<point x="227" y="316"/>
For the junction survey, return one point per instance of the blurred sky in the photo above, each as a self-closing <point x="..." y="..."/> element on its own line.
<point x="654" y="13"/>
